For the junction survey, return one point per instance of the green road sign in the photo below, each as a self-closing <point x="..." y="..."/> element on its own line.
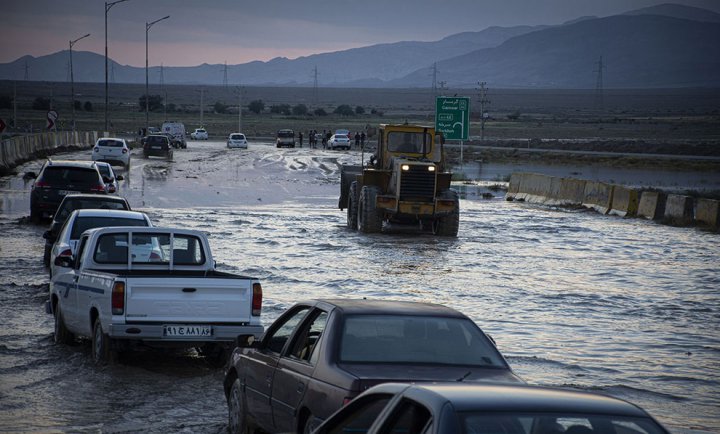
<point x="452" y="117"/>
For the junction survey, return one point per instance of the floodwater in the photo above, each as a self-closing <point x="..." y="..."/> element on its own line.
<point x="619" y="306"/>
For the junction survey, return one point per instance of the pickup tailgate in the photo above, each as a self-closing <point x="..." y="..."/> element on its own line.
<point x="188" y="300"/>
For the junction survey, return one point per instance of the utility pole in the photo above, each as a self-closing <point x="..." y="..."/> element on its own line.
<point x="164" y="89"/>
<point x="225" y="76"/>
<point x="315" y="86"/>
<point x="434" y="80"/>
<point x="14" y="104"/>
<point x="599" y="100"/>
<point x="482" y="99"/>
<point x="202" y="91"/>
<point x="108" y="6"/>
<point x="27" y="71"/>
<point x="239" y="91"/>
<point x="147" y="89"/>
<point x="72" y="81"/>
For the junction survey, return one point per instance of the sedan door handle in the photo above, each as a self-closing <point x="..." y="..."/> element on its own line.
<point x="189" y="289"/>
<point x="300" y="387"/>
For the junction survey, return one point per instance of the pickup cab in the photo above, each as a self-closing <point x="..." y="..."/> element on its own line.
<point x="130" y="286"/>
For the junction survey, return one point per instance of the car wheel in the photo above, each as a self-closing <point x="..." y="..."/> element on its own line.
<point x="46" y="256"/>
<point x="35" y="215"/>
<point x="310" y="424"/>
<point x="237" y="414"/>
<point x="102" y="353"/>
<point x="62" y="335"/>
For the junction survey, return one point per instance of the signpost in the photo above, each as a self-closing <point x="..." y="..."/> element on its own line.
<point x="452" y="118"/>
<point x="2" y="125"/>
<point x="52" y="116"/>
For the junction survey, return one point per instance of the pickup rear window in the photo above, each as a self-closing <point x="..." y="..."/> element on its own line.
<point x="148" y="248"/>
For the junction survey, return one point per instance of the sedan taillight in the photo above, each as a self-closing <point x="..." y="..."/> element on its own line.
<point x="118" y="298"/>
<point x="96" y="149"/>
<point x="124" y="151"/>
<point x="256" y="299"/>
<point x="67" y="253"/>
<point x="98" y="188"/>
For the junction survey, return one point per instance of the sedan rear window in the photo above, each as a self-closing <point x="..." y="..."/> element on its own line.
<point x="70" y="175"/>
<point x="237" y="137"/>
<point x="73" y="204"/>
<point x="111" y="143"/>
<point x="81" y="224"/>
<point x="416" y="339"/>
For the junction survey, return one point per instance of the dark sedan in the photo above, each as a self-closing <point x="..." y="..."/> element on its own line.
<point x="157" y="145"/>
<point x="457" y="408"/>
<point x="319" y="355"/>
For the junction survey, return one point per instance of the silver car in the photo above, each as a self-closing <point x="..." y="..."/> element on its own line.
<point x="237" y="140"/>
<point x="83" y="219"/>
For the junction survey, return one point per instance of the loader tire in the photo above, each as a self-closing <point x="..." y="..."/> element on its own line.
<point x="369" y="218"/>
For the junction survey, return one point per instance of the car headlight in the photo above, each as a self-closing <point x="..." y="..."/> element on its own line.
<point x="405" y="167"/>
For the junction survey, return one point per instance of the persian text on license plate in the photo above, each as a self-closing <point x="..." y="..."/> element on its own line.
<point x="66" y="192"/>
<point x="185" y="331"/>
<point x="157" y="147"/>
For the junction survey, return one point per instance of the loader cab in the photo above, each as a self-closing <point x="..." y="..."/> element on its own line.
<point x="410" y="142"/>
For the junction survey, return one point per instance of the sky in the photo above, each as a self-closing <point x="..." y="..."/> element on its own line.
<point x="240" y="31"/>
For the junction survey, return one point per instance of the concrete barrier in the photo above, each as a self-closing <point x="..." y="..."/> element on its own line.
<point x="598" y="196"/>
<point x="652" y="205"/>
<point x="572" y="191"/>
<point x="19" y="149"/>
<point x="707" y="213"/>
<point x="679" y="210"/>
<point x="624" y="201"/>
<point x="514" y="186"/>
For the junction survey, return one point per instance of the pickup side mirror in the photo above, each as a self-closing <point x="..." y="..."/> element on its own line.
<point x="246" y="341"/>
<point x="32" y="175"/>
<point x="48" y="235"/>
<point x="106" y="179"/>
<point x="64" y="261"/>
<point x="119" y="177"/>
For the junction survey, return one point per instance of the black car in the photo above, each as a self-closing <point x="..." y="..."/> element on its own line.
<point x="58" y="179"/>
<point x="320" y="354"/>
<point x="157" y="145"/>
<point x="70" y="203"/>
<point x="452" y="408"/>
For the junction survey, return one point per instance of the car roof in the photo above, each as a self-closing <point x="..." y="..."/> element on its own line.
<point x="146" y="229"/>
<point x="111" y="138"/>
<point x="92" y="212"/>
<point x="520" y="398"/>
<point x="70" y="163"/>
<point x="395" y="307"/>
<point x="96" y="197"/>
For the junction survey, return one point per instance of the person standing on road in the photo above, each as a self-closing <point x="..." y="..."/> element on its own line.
<point x="357" y="139"/>
<point x="362" y="140"/>
<point x="324" y="140"/>
<point x="300" y="137"/>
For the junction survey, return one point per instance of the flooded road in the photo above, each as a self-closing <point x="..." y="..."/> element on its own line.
<point x="573" y="298"/>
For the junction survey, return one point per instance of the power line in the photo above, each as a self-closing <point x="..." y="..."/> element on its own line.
<point x="315" y="85"/>
<point x="599" y="99"/>
<point x="225" y="83"/>
<point x="434" y="78"/>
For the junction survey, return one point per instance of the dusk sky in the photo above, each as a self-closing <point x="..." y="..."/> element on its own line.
<point x="239" y="31"/>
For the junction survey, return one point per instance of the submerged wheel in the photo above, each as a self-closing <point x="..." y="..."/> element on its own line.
<point x="102" y="352"/>
<point x="352" y="207"/>
<point x="448" y="225"/>
<point x="369" y="218"/>
<point x="62" y="334"/>
<point x="237" y="417"/>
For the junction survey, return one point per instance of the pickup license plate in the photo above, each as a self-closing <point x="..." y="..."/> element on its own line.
<point x="66" y="192"/>
<point x="185" y="331"/>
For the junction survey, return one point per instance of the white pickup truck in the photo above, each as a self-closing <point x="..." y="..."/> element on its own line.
<point x="151" y="286"/>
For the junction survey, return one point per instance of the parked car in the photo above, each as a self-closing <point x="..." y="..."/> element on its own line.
<point x="70" y="203"/>
<point x="176" y="130"/>
<point x="109" y="177"/>
<point x="339" y="141"/>
<point x="81" y="220"/>
<point x="153" y="130"/>
<point x="451" y="408"/>
<point x="111" y="150"/>
<point x="58" y="178"/>
<point x="320" y="354"/>
<point x="285" y="138"/>
<point x="157" y="145"/>
<point x="237" y="140"/>
<point x="199" y="134"/>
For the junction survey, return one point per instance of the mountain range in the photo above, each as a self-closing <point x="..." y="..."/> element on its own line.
<point x="667" y="45"/>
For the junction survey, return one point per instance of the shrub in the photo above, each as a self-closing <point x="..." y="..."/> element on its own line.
<point x="219" y="107"/>
<point x="5" y="102"/>
<point x="359" y="110"/>
<point x="514" y="115"/>
<point x="320" y="112"/>
<point x="256" y="106"/>
<point x="280" y="109"/>
<point x="88" y="106"/>
<point x="41" y="103"/>
<point x="344" y="110"/>
<point x="154" y="102"/>
<point x="300" y="110"/>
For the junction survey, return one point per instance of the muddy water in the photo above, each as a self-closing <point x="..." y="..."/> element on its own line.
<point x="620" y="306"/>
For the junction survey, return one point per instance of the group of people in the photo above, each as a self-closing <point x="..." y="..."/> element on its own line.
<point x="314" y="135"/>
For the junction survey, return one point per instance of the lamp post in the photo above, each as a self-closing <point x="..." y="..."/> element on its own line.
<point x="107" y="8"/>
<point x="147" y="95"/>
<point x="72" y="81"/>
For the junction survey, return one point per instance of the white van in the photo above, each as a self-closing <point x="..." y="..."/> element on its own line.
<point x="177" y="131"/>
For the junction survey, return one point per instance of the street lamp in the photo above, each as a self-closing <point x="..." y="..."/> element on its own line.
<point x="107" y="8"/>
<point x="147" y="95"/>
<point x="72" y="81"/>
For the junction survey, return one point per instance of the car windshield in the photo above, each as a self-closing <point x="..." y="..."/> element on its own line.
<point x="237" y="137"/>
<point x="408" y="142"/>
<point x="70" y="205"/>
<point x="286" y="134"/>
<point x="70" y="175"/>
<point x="157" y="140"/>
<point x="110" y="143"/>
<point x="409" y="339"/>
<point x="536" y="423"/>
<point x="82" y="224"/>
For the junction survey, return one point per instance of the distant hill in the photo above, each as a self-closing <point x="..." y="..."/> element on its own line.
<point x="661" y="46"/>
<point x="679" y="11"/>
<point x="638" y="51"/>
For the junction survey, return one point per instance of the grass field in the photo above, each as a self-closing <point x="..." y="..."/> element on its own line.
<point x="664" y="117"/>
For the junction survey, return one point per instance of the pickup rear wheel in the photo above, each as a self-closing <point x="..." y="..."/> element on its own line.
<point x="237" y="416"/>
<point x="102" y="352"/>
<point x="62" y="334"/>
